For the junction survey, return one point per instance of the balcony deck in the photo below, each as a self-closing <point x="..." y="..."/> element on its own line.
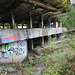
<point x="7" y="35"/>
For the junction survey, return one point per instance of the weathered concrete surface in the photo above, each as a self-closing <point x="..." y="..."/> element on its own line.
<point x="13" y="52"/>
<point x="9" y="70"/>
<point x="7" y="36"/>
<point x="40" y="68"/>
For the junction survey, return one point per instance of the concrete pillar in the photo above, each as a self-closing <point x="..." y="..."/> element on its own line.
<point x="49" y="38"/>
<point x="56" y="37"/>
<point x="31" y="28"/>
<point x="16" y="25"/>
<point x="30" y="20"/>
<point x="60" y="35"/>
<point x="42" y="36"/>
<point x="48" y="22"/>
<point x="56" y="24"/>
<point x="60" y="24"/>
<point x="22" y="26"/>
<point x="3" y="25"/>
<point x="42" y="22"/>
<point x="13" y="21"/>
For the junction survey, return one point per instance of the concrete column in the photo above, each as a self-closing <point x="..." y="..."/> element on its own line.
<point x="49" y="38"/>
<point x="48" y="22"/>
<point x="3" y="25"/>
<point x="30" y="20"/>
<point x="60" y="24"/>
<point x="56" y="38"/>
<point x="60" y="36"/>
<point x="42" y="36"/>
<point x="56" y="24"/>
<point x="31" y="28"/>
<point x="16" y="25"/>
<point x="43" y="41"/>
<point x="13" y="21"/>
<point x="42" y="22"/>
<point x="22" y="26"/>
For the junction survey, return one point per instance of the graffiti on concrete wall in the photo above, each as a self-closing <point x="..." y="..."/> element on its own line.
<point x="0" y="38"/>
<point x="13" y="35"/>
<point x="10" y="38"/>
<point x="16" y="50"/>
<point x="28" y="33"/>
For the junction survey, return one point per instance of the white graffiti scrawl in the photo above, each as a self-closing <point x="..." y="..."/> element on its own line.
<point x="13" y="52"/>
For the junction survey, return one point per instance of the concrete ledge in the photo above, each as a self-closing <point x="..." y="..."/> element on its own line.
<point x="7" y="36"/>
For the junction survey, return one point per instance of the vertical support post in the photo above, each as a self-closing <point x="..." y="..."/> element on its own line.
<point x="48" y="22"/>
<point x="56" y="24"/>
<point x="42" y="36"/>
<point x="16" y="25"/>
<point x="60" y="35"/>
<point x="3" y="25"/>
<point x="42" y="22"/>
<point x="22" y="26"/>
<point x="32" y="44"/>
<point x="30" y="20"/>
<point x="43" y="41"/>
<point x="13" y="21"/>
<point x="56" y="37"/>
<point x="60" y="24"/>
<point x="31" y="28"/>
<point x="49" y="38"/>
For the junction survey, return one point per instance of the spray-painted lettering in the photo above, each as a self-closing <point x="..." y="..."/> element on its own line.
<point x="10" y="38"/>
<point x="17" y="51"/>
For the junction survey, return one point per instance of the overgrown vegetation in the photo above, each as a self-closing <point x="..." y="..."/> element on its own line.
<point x="60" y="60"/>
<point x="69" y="21"/>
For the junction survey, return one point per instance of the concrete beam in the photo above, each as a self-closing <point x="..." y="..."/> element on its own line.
<point x="39" y="4"/>
<point x="8" y="35"/>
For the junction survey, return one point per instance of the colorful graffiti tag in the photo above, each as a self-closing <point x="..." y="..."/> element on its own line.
<point x="9" y="52"/>
<point x="0" y="38"/>
<point x="10" y="38"/>
<point x="14" y="50"/>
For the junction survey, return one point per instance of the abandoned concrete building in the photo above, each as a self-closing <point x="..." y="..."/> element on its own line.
<point x="24" y="25"/>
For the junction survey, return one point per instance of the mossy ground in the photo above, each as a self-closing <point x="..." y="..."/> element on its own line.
<point x="60" y="61"/>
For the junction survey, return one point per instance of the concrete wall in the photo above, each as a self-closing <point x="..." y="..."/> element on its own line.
<point x="7" y="36"/>
<point x="13" y="52"/>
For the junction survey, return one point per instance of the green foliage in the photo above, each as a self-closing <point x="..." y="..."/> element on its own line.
<point x="67" y="35"/>
<point x="52" y="42"/>
<point x="70" y="20"/>
<point x="56" y="59"/>
<point x="72" y="45"/>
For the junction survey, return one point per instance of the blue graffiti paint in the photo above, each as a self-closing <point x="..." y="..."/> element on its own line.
<point x="0" y="38"/>
<point x="6" y="40"/>
<point x="0" y="35"/>
<point x="22" y="43"/>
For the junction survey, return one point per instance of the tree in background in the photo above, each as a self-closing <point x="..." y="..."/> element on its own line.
<point x="70" y="20"/>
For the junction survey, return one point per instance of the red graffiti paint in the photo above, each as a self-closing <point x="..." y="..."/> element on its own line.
<point x="11" y="37"/>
